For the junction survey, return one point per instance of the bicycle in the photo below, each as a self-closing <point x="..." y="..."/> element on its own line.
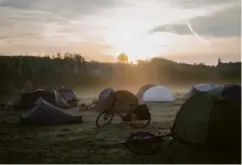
<point x="135" y="113"/>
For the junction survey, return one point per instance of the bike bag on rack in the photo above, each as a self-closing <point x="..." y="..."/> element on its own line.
<point x="142" y="112"/>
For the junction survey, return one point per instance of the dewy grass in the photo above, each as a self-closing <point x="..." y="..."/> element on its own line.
<point x="84" y="143"/>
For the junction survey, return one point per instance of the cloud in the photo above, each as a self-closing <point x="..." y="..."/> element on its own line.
<point x="96" y="28"/>
<point x="40" y="16"/>
<point x="220" y="24"/>
<point x="196" y="3"/>
<point x="226" y="48"/>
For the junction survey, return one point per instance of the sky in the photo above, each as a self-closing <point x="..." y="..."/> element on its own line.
<point x="190" y="31"/>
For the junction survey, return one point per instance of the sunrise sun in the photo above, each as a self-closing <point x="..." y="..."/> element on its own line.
<point x="141" y="47"/>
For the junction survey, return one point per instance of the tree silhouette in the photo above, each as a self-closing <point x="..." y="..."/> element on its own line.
<point x="123" y="58"/>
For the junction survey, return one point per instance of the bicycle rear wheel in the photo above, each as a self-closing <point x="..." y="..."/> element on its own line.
<point x="106" y="117"/>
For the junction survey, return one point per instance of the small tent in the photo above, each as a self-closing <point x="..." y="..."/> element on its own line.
<point x="43" y="113"/>
<point x="217" y="89"/>
<point x="157" y="94"/>
<point x="103" y="96"/>
<point x="121" y="100"/>
<point x="27" y="99"/>
<point x="232" y="93"/>
<point x="203" y="87"/>
<point x="210" y="120"/>
<point x="68" y="94"/>
<point x="142" y="90"/>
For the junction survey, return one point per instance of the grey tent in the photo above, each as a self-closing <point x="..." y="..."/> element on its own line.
<point x="203" y="87"/>
<point x="69" y="96"/>
<point x="43" y="113"/>
<point x="230" y="92"/>
<point x="103" y="96"/>
<point x="209" y="120"/>
<point x="27" y="99"/>
<point x="217" y="89"/>
<point x="123" y="101"/>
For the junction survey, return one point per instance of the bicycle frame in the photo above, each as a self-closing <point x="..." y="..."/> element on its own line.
<point x="117" y="112"/>
<point x="110" y="112"/>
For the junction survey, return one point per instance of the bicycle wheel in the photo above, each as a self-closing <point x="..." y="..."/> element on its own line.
<point x="137" y="123"/>
<point x="105" y="117"/>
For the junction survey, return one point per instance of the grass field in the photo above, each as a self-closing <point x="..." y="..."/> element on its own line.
<point x="84" y="143"/>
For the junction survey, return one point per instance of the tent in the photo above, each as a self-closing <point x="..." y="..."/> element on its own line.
<point x="104" y="94"/>
<point x="217" y="89"/>
<point x="122" y="100"/>
<point x="27" y="99"/>
<point x="203" y="87"/>
<point x="43" y="113"/>
<point x="232" y="93"/>
<point x="209" y="120"/>
<point x="143" y="89"/>
<point x="157" y="94"/>
<point x="68" y="95"/>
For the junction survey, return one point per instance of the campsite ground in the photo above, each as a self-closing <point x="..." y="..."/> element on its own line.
<point x="84" y="143"/>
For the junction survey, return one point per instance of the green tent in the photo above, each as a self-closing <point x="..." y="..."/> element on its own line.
<point x="210" y="120"/>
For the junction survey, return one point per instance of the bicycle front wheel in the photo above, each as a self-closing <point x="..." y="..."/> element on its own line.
<point x="104" y="118"/>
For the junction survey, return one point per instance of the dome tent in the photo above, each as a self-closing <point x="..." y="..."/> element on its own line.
<point x="104" y="94"/>
<point x="157" y="94"/>
<point x="209" y="120"/>
<point x="103" y="97"/>
<point x="203" y="87"/>
<point x="232" y="93"/>
<point x="67" y="94"/>
<point x="43" y="113"/>
<point x="142" y="90"/>
<point x="28" y="98"/>
<point x="122" y="100"/>
<point x="217" y="89"/>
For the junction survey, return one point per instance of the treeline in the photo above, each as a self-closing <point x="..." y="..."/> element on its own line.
<point x="72" y="70"/>
<point x="19" y="72"/>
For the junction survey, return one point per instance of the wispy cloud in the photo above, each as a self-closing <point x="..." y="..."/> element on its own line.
<point x="113" y="26"/>
<point x="203" y="40"/>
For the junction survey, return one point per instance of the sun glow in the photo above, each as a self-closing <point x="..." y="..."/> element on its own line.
<point x="142" y="47"/>
<point x="131" y="33"/>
